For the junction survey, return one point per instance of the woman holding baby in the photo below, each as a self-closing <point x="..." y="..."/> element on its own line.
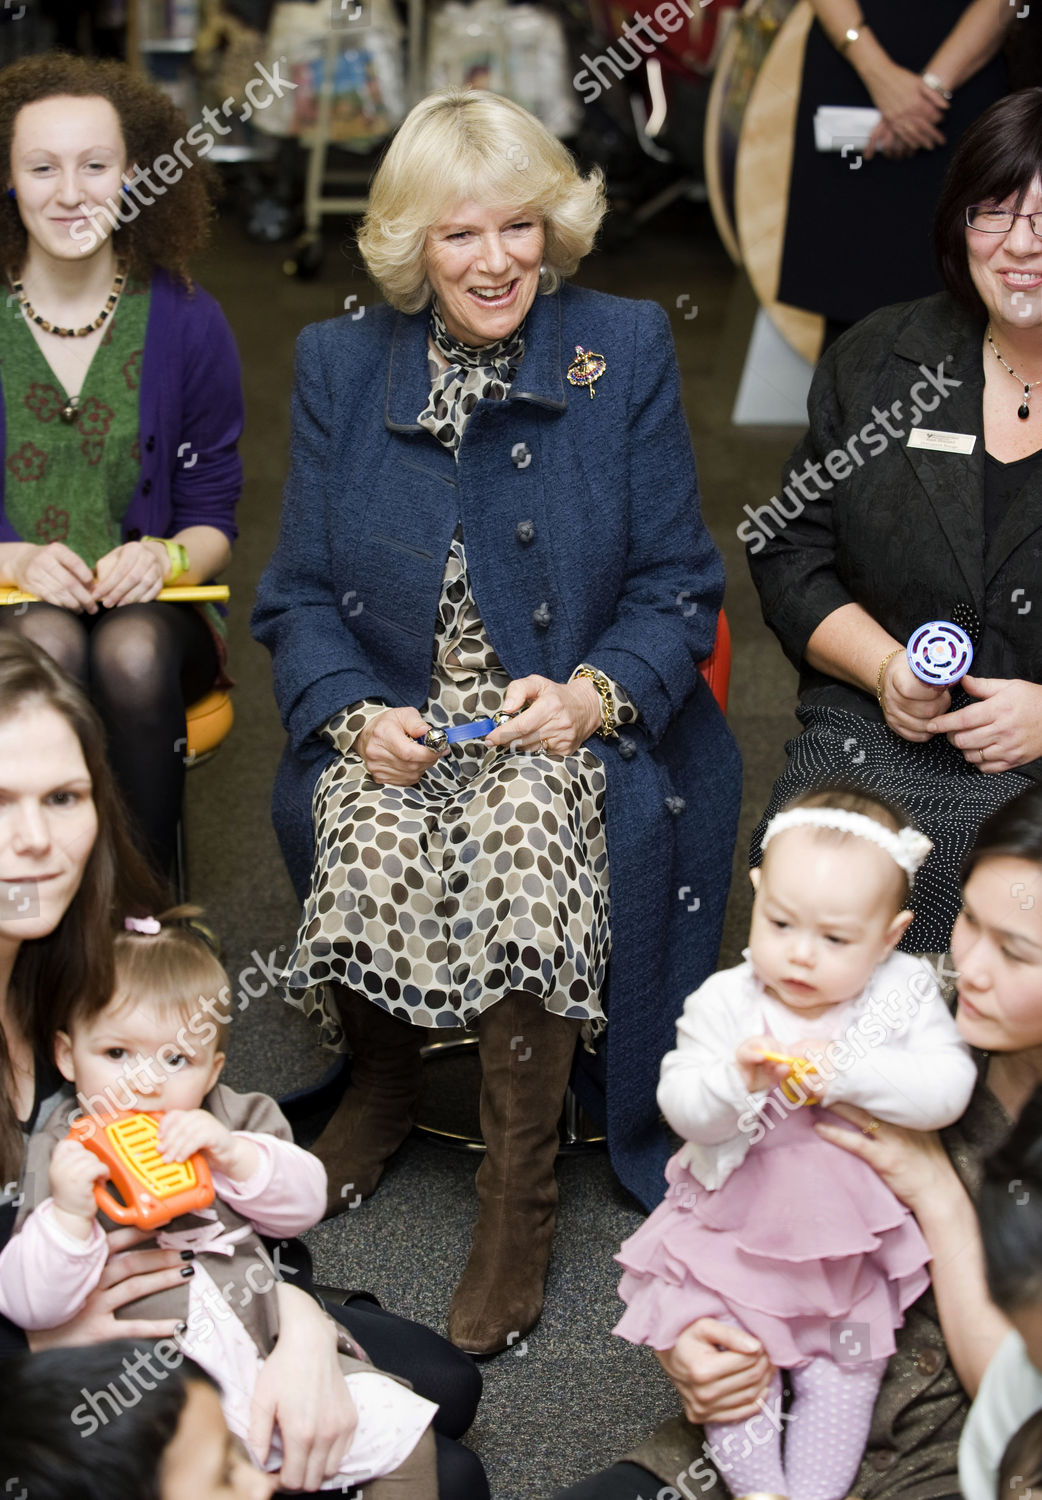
<point x="69" y="877"/>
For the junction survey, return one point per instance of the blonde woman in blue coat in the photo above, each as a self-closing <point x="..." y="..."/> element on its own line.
<point x="492" y="510"/>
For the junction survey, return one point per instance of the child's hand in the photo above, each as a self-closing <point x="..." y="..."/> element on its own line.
<point x="757" y="1074"/>
<point x="812" y="1050"/>
<point x="73" y="1172"/>
<point x="183" y="1132"/>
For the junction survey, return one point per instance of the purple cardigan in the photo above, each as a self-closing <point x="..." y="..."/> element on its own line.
<point x="190" y="405"/>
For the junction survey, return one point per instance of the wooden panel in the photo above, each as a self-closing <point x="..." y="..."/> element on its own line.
<point x="762" y="179"/>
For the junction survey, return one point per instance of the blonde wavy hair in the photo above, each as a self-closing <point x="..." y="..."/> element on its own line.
<point x="461" y="144"/>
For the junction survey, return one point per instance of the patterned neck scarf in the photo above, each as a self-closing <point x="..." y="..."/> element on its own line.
<point x="473" y="374"/>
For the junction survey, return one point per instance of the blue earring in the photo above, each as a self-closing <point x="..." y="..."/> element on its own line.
<point x="11" y="194"/>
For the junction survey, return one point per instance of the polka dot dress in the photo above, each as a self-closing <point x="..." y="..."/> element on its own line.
<point x="942" y="794"/>
<point x="489" y="875"/>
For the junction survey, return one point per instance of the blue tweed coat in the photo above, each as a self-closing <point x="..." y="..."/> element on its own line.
<point x="584" y="543"/>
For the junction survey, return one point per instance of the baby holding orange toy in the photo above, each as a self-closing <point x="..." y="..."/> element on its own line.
<point x="766" y="1224"/>
<point x="157" y="1046"/>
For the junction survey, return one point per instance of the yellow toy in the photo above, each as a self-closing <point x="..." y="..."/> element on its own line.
<point x="154" y="1191"/>
<point x="799" y="1068"/>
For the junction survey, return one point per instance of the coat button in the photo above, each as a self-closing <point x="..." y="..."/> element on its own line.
<point x="883" y="1460"/>
<point x="525" y="532"/>
<point x="146" y="488"/>
<point x="929" y="1361"/>
<point x="150" y="445"/>
<point x="676" y="805"/>
<point x="542" y="615"/>
<point x="627" y="749"/>
<point x="521" y="455"/>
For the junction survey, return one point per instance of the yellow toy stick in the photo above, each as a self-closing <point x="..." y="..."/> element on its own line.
<point x="780" y="1057"/>
<point x="799" y="1068"/>
<point x="192" y="593"/>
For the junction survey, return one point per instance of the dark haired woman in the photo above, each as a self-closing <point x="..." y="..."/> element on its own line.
<point x="69" y="874"/>
<point x="120" y="407"/>
<point x="955" y="1329"/>
<point x="918" y="497"/>
<point x="1009" y="1206"/>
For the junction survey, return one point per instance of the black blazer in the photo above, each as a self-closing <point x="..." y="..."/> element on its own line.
<point x="899" y="530"/>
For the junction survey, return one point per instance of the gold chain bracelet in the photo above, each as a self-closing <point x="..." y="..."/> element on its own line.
<point x="607" y="730"/>
<point x="882" y="668"/>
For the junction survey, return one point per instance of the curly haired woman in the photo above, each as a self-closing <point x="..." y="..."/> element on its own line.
<point x="120" y="406"/>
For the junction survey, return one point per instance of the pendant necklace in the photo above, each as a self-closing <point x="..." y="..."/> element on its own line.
<point x="1023" y="410"/>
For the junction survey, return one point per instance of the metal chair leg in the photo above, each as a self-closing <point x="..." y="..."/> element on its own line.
<point x="573" y="1138"/>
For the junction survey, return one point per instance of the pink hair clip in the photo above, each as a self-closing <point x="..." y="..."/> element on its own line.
<point x="147" y="925"/>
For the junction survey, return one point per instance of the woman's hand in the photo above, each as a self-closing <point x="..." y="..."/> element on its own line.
<point x="884" y="142"/>
<point x="131" y="574"/>
<point x="183" y="1132"/>
<point x="721" y="1372"/>
<point x="301" y="1387"/>
<point x="128" y="1275"/>
<point x="1005" y="724"/>
<point x="57" y="575"/>
<point x="911" y="110"/>
<point x="389" y="750"/>
<point x="560" y="715"/>
<point x="908" y="703"/>
<point x="913" y="1163"/>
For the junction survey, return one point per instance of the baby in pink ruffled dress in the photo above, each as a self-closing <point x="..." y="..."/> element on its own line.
<point x="766" y="1224"/>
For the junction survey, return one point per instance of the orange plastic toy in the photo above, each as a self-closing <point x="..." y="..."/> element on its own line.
<point x="799" y="1069"/>
<point x="154" y="1191"/>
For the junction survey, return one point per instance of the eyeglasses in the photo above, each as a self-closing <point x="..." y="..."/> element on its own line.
<point x="999" y="220"/>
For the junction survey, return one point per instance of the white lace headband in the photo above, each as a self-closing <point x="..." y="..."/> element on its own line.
<point x="909" y="847"/>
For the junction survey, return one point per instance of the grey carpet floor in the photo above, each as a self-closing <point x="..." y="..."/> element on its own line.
<point x="569" y="1399"/>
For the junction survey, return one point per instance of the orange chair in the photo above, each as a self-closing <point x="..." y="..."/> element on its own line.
<point x="716" y="669"/>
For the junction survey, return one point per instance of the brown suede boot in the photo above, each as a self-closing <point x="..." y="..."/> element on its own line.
<point x="526" y="1057"/>
<point x="379" y="1106"/>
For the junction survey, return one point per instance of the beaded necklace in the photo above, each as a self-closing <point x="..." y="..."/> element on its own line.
<point x="70" y="333"/>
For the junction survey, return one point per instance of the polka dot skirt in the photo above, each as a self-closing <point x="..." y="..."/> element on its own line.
<point x="489" y="875"/>
<point x="941" y="793"/>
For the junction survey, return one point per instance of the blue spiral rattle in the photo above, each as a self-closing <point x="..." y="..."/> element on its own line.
<point x="940" y="653"/>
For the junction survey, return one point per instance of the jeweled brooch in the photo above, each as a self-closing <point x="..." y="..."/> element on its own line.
<point x="586" y="368"/>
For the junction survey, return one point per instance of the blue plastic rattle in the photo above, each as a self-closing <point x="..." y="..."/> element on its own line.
<point x="940" y="653"/>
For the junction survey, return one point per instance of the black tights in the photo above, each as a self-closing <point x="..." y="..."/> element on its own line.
<point x="139" y="665"/>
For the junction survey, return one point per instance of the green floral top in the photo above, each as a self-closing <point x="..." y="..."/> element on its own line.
<point x="72" y="481"/>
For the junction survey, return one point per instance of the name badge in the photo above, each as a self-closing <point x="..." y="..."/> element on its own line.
<point x="941" y="442"/>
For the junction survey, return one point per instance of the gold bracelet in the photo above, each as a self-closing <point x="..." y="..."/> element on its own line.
<point x="882" y="668"/>
<point x="607" y="730"/>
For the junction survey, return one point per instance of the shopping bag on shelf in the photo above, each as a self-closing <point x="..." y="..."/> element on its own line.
<point x="517" y="50"/>
<point x="363" y="60"/>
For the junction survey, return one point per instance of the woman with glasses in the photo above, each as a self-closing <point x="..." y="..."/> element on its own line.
<point x="916" y="496"/>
